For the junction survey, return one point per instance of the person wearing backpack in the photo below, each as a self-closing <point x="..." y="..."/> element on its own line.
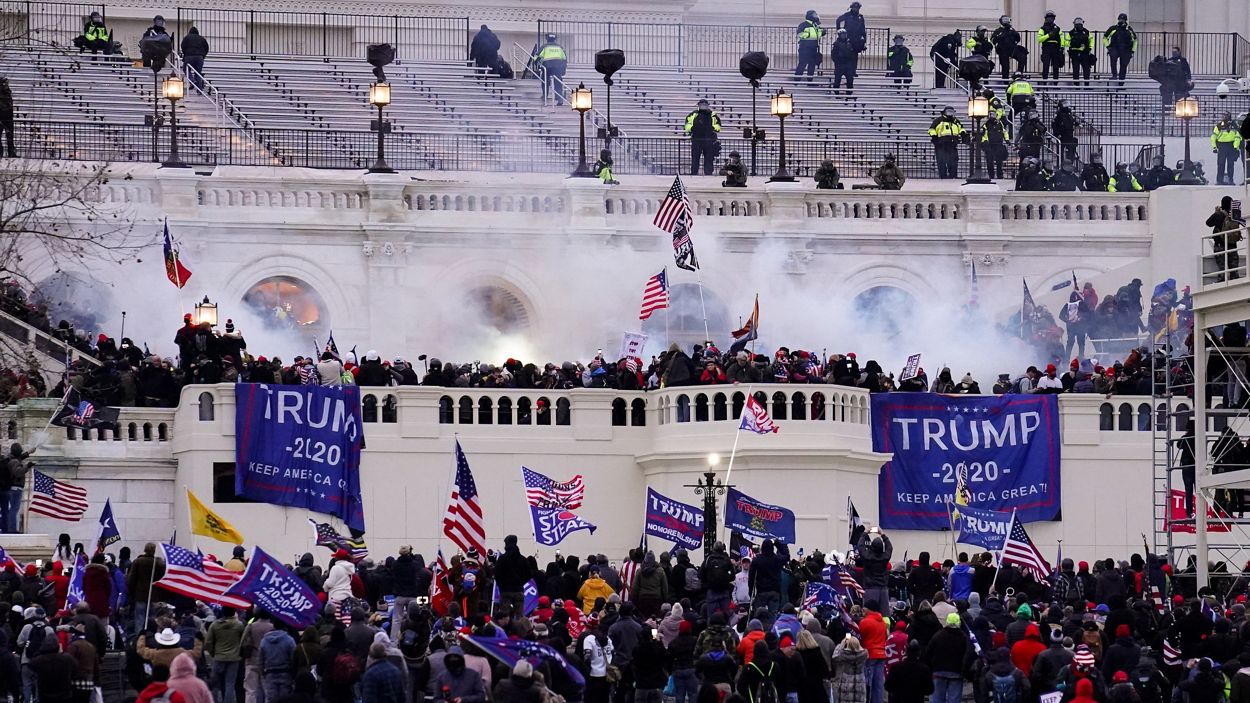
<point x="338" y="669"/>
<point x="758" y="680"/>
<point x="1003" y="682"/>
<point x="717" y="574"/>
<point x="30" y="643"/>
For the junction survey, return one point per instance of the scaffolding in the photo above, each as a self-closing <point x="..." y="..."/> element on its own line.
<point x="1215" y="532"/>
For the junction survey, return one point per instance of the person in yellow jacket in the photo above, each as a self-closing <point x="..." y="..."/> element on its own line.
<point x="946" y="133"/>
<point x="809" y="32"/>
<point x="1080" y="50"/>
<point x="1053" y="41"/>
<point x="96" y="36"/>
<point x="1122" y="181"/>
<point x="595" y="587"/>
<point x="1226" y="143"/>
<point x="555" y="61"/>
<point x="703" y="128"/>
<point x="1020" y="94"/>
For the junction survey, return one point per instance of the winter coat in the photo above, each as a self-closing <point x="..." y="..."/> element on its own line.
<point x="183" y="679"/>
<point x="224" y="639"/>
<point x="511" y="570"/>
<point x="194" y="44"/>
<point x="310" y="573"/>
<point x="872" y="634"/>
<point x="909" y="681"/>
<point x="1121" y="656"/>
<point x="999" y="669"/>
<point x="410" y="578"/>
<point x="875" y="561"/>
<point x="946" y="652"/>
<point x="338" y="584"/>
<point x="143" y="571"/>
<point x="97" y="586"/>
<point x="812" y="688"/>
<point x="594" y="587"/>
<point x="1024" y="652"/>
<point x="160" y="655"/>
<point x="650" y="583"/>
<point x="848" y="675"/>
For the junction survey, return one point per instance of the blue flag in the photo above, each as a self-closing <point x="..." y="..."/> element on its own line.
<point x="552" y="525"/>
<point x="751" y="517"/>
<point x="509" y="652"/>
<point x="75" y="593"/>
<point x="108" y="532"/>
<point x="269" y="585"/>
<point x="531" y="597"/>
<point x="819" y="594"/>
<point x="673" y="520"/>
<point x="300" y="446"/>
<point x="984" y="528"/>
<point x="1009" y="446"/>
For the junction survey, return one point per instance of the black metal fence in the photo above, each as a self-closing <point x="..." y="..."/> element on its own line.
<point x="1208" y="53"/>
<point x="1126" y="114"/>
<point x="342" y="149"/>
<point x="697" y="45"/>
<point x="327" y="34"/>
<point x="44" y="23"/>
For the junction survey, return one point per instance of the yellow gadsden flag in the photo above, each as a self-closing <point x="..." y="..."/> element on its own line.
<point x="206" y="522"/>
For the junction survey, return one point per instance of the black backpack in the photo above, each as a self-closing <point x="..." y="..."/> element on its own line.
<point x="38" y="631"/>
<point x="719" y="574"/>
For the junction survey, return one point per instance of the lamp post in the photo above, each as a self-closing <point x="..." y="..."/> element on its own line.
<point x="1186" y="111"/>
<point x="709" y="488"/>
<point x="582" y="100"/>
<point x="782" y="106"/>
<point x="380" y="97"/>
<point x="978" y="109"/>
<point x="174" y="89"/>
<point x="206" y="311"/>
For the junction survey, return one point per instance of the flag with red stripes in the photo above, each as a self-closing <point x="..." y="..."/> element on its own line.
<point x="464" y="524"/>
<point x="1018" y="549"/>
<point x="191" y="574"/>
<point x="654" y="295"/>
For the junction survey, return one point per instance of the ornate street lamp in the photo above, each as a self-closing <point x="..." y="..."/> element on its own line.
<point x="173" y="89"/>
<point x="1186" y="110"/>
<point x="380" y="97"/>
<point x="583" y="101"/>
<point x="206" y="311"/>
<point x="978" y="110"/>
<point x="782" y="106"/>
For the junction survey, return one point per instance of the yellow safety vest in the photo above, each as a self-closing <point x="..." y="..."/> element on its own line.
<point x="811" y="32"/>
<point x="1002" y="128"/>
<point x="1057" y="37"/>
<point x="690" y="121"/>
<point x="946" y="128"/>
<point x="1226" y="135"/>
<point x="97" y="32"/>
<point x="1132" y="185"/>
<point x="1019" y="88"/>
<point x="1106" y="37"/>
<point x="552" y="52"/>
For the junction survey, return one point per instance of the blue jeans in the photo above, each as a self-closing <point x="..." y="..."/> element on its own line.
<point x="30" y="687"/>
<point x="874" y="680"/>
<point x="140" y="611"/>
<point x="686" y="684"/>
<point x="10" y="510"/>
<point x="717" y="601"/>
<point x="947" y="688"/>
<point x="225" y="679"/>
<point x="768" y="599"/>
<point x="278" y="684"/>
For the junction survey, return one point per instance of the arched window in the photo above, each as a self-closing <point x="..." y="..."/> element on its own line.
<point x="206" y="407"/>
<point x="446" y="412"/>
<point x="885" y="309"/>
<point x="369" y="408"/>
<point x="683" y="408"/>
<point x="720" y="409"/>
<point x="1126" y="418"/>
<point x="618" y="412"/>
<point x="498" y="307"/>
<point x="683" y="321"/>
<point x="740" y="400"/>
<point x="505" y="411"/>
<point x="286" y="303"/>
<point x="132" y="431"/>
<point x="798" y="407"/>
<point x="11" y="429"/>
<point x="563" y="412"/>
<point x="466" y="411"/>
<point x="544" y="411"/>
<point x="162" y="432"/>
<point x="523" y="414"/>
<point x="1182" y="417"/>
<point x="638" y="413"/>
<point x="779" y="405"/>
<point x="1106" y="417"/>
<point x="390" y="408"/>
<point x="818" y="406"/>
<point x="700" y="408"/>
<point x="147" y="432"/>
<point x="484" y="410"/>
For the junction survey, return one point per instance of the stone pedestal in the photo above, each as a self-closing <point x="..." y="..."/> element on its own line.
<point x="27" y="548"/>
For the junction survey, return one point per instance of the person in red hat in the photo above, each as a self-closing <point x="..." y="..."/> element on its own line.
<point x="1122" y="656"/>
<point x="1049" y="382"/>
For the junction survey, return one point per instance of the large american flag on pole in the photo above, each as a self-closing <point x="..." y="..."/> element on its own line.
<point x="464" y="523"/>
<point x="191" y="574"/>
<point x="542" y="492"/>
<point x="677" y="218"/>
<point x="654" y="295"/>
<point x="57" y="499"/>
<point x="1018" y="549"/>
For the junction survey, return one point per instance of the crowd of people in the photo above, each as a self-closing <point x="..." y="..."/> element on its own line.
<point x="733" y="628"/>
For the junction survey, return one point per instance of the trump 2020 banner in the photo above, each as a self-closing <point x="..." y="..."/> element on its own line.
<point x="751" y="517"/>
<point x="300" y="446"/>
<point x="673" y="520"/>
<point x="984" y="528"/>
<point x="270" y="585"/>
<point x="1008" y="446"/>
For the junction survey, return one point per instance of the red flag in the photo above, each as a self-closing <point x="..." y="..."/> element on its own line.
<point x="440" y="589"/>
<point x="174" y="270"/>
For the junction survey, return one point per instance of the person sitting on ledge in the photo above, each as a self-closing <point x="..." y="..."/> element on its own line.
<point x="888" y="175"/>
<point x="734" y="172"/>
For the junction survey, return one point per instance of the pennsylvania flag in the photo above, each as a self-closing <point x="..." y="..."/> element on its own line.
<point x="174" y="270"/>
<point x="206" y="522"/>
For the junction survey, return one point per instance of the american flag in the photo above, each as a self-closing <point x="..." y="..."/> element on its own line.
<point x="327" y="536"/>
<point x="542" y="492"/>
<point x="344" y="614"/>
<point x="57" y="499"/>
<point x="84" y="412"/>
<point x="654" y="295"/>
<point x="630" y="568"/>
<point x="6" y="560"/>
<point x="1018" y="549"/>
<point x="308" y="374"/>
<point x="1171" y="655"/>
<point x="674" y="212"/>
<point x="190" y="574"/>
<point x="464" y="524"/>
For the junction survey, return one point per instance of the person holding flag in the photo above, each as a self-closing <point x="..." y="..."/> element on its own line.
<point x="875" y="552"/>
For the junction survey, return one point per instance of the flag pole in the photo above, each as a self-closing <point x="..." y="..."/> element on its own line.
<point x="698" y="272"/>
<point x="737" y="434"/>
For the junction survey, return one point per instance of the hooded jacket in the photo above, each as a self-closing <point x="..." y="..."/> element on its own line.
<point x="183" y="679"/>
<point x="308" y="572"/>
<point x="875" y="553"/>
<point x="338" y="584"/>
<point x="409" y="576"/>
<point x="650" y="581"/>
<point x="1025" y="652"/>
